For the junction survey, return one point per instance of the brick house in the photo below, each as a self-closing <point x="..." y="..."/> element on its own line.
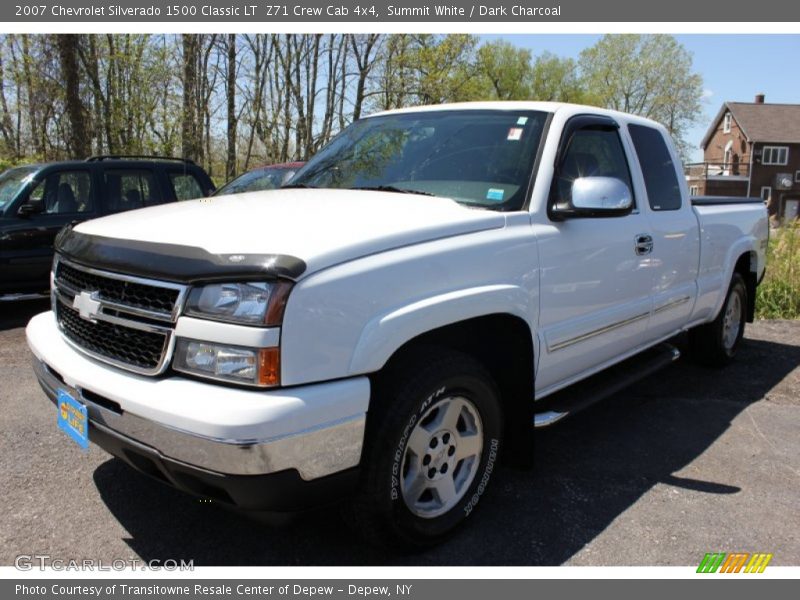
<point x="752" y="149"/>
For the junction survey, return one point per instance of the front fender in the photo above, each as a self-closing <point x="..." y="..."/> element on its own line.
<point x="349" y="319"/>
<point x="386" y="333"/>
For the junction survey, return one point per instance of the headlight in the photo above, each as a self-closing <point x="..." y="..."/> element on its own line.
<point x="247" y="303"/>
<point x="254" y="366"/>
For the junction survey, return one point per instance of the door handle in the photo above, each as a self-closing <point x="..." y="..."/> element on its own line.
<point x="643" y="244"/>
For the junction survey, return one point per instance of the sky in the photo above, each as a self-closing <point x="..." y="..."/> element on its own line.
<point x="733" y="67"/>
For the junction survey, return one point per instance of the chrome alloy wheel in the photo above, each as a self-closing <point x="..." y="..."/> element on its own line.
<point x="732" y="321"/>
<point x="442" y="457"/>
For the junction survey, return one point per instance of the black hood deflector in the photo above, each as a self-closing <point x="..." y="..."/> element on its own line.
<point x="172" y="262"/>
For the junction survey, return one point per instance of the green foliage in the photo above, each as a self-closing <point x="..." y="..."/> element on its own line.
<point x="443" y="66"/>
<point x="555" y="79"/>
<point x="505" y="71"/>
<point x="648" y="75"/>
<point x="778" y="296"/>
<point x="142" y="93"/>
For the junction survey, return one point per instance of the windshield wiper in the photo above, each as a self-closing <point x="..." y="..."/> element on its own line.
<point x="391" y="188"/>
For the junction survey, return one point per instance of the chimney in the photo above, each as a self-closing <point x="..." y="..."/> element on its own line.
<point x="759" y="98"/>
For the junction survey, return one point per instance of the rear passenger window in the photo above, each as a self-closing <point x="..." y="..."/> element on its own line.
<point x="130" y="189"/>
<point x="660" y="180"/>
<point x="186" y="186"/>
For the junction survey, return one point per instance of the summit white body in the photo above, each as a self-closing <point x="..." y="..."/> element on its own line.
<point x="384" y="268"/>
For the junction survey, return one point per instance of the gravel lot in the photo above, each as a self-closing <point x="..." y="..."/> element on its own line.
<point x="686" y="462"/>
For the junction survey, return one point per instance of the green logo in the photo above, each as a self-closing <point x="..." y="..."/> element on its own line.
<point x="734" y="562"/>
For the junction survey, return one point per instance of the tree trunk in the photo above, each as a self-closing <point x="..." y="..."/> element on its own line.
<point x="189" y="121"/>
<point x="5" y="123"/>
<point x="33" y="117"/>
<point x="78" y="137"/>
<point x="230" y="165"/>
<point x="362" y="49"/>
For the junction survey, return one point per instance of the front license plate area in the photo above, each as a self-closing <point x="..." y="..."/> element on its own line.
<point x="73" y="419"/>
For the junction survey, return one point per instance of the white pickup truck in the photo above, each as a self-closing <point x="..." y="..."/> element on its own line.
<point x="407" y="309"/>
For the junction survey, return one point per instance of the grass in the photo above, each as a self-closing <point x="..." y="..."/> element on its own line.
<point x="778" y="296"/>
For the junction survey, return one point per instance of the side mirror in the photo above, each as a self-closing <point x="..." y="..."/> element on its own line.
<point x="596" y="197"/>
<point x="31" y="207"/>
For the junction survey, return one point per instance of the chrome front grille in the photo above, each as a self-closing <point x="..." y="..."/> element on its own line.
<point x="119" y="319"/>
<point x="140" y="349"/>
<point x="125" y="292"/>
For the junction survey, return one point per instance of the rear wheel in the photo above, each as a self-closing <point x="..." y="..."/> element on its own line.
<point x="716" y="343"/>
<point x="432" y="443"/>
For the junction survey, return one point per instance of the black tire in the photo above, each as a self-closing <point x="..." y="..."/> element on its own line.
<point x="713" y="344"/>
<point x="405" y="402"/>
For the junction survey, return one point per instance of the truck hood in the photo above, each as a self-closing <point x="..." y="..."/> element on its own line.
<point x="315" y="228"/>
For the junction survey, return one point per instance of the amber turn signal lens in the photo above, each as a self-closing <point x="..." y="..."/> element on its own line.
<point x="269" y="366"/>
<point x="277" y="303"/>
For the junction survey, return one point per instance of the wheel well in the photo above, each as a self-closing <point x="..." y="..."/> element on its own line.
<point x="746" y="267"/>
<point x="504" y="345"/>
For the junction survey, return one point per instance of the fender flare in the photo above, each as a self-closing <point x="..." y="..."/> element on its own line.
<point x="745" y="245"/>
<point x="384" y="334"/>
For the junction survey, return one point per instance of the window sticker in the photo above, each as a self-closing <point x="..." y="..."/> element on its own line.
<point x="515" y="134"/>
<point x="522" y="120"/>
<point x="495" y="194"/>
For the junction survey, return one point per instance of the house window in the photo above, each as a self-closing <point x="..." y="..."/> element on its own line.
<point x="694" y="190"/>
<point x="727" y="158"/>
<point x="726" y="123"/>
<point x="775" y="155"/>
<point x="797" y="176"/>
<point x="766" y="193"/>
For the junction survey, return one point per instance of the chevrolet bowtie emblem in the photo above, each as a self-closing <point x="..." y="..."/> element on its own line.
<point x="87" y="304"/>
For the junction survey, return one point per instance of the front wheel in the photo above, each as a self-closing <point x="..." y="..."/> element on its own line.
<point x="433" y="440"/>
<point x="716" y="343"/>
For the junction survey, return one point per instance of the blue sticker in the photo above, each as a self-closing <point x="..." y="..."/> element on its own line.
<point x="495" y="194"/>
<point x="73" y="419"/>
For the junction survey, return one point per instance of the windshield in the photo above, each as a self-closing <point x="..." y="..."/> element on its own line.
<point x="12" y="181"/>
<point x="255" y="181"/>
<point x="480" y="158"/>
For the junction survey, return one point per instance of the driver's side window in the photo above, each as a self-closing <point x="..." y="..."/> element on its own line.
<point x="592" y="152"/>
<point x="67" y="192"/>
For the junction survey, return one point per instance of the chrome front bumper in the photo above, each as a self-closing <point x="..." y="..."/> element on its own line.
<point x="313" y="453"/>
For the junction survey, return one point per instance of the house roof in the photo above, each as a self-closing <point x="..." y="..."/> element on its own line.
<point x="761" y="122"/>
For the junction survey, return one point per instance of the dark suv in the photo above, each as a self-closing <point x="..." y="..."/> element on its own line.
<point x="36" y="201"/>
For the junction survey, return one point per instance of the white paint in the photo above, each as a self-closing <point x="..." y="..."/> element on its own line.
<point x="322" y="227"/>
<point x="227" y="333"/>
<point x="205" y="409"/>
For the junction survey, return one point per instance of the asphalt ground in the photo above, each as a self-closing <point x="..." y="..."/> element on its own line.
<point x="685" y="462"/>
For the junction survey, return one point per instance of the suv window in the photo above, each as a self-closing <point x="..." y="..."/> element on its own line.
<point x="65" y="192"/>
<point x="186" y="186"/>
<point x="129" y="189"/>
<point x="592" y="152"/>
<point x="660" y="181"/>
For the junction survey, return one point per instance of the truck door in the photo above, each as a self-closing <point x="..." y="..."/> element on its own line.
<point x="596" y="276"/>
<point x="675" y="233"/>
<point x="60" y="198"/>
